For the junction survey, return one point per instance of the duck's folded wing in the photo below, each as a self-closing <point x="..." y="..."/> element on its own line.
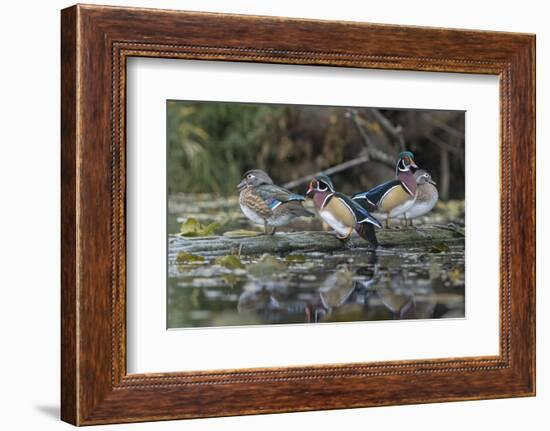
<point x="375" y="194"/>
<point x="274" y="195"/>
<point x="361" y="214"/>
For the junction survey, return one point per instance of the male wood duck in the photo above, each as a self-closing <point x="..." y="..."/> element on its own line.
<point x="395" y="197"/>
<point x="426" y="196"/>
<point x="265" y="203"/>
<point x="340" y="212"/>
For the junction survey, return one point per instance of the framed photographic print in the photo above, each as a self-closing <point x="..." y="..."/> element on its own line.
<point x="265" y="215"/>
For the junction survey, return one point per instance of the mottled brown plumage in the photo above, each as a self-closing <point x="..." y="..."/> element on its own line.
<point x="250" y="199"/>
<point x="265" y="203"/>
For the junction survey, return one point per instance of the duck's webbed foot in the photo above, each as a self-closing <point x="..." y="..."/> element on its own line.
<point x="346" y="238"/>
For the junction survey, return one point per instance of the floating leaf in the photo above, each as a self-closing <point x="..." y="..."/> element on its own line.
<point x="184" y="257"/>
<point x="439" y="248"/>
<point x="191" y="225"/>
<point x="230" y="261"/>
<point x="295" y="258"/>
<point x="210" y="229"/>
<point x="241" y="233"/>
<point x="192" y="228"/>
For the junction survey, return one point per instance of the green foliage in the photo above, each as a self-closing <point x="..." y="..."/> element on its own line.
<point x="230" y="261"/>
<point x="295" y="258"/>
<point x="439" y="247"/>
<point x="211" y="145"/>
<point x="184" y="257"/>
<point x="192" y="227"/>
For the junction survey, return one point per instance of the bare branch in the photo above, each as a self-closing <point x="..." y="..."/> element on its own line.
<point x="396" y="132"/>
<point x="443" y="145"/>
<point x="372" y="152"/>
<point x="444" y="126"/>
<point x="330" y="171"/>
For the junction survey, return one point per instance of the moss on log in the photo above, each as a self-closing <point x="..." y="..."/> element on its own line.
<point x="288" y="242"/>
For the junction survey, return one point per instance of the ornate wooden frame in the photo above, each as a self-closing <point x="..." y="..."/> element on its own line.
<point x="95" y="43"/>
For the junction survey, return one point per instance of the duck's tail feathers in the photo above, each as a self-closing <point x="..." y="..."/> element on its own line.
<point x="298" y="210"/>
<point x="306" y="213"/>
<point x="369" y="219"/>
<point x="366" y="231"/>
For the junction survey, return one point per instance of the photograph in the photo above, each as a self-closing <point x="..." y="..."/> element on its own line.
<point x="301" y="214"/>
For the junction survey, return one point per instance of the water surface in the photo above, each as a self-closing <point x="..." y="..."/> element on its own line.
<point x="355" y="284"/>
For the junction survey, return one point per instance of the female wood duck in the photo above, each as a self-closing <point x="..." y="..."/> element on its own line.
<point x="341" y="212"/>
<point x="393" y="198"/>
<point x="426" y="196"/>
<point x="266" y="203"/>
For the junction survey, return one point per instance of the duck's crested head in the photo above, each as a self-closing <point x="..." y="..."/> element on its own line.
<point x="254" y="178"/>
<point x="423" y="177"/>
<point x="320" y="183"/>
<point x="405" y="162"/>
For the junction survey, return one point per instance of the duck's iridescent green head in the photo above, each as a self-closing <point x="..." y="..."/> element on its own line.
<point x="405" y="162"/>
<point x="404" y="154"/>
<point x="321" y="183"/>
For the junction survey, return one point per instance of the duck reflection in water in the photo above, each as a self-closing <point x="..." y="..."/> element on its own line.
<point x="390" y="292"/>
<point x="368" y="293"/>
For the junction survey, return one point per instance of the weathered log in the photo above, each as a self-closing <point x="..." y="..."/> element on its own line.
<point x="288" y="242"/>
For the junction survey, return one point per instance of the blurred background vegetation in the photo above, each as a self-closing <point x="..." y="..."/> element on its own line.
<point x="211" y="145"/>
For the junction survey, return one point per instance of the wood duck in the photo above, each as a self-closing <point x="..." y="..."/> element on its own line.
<point x="340" y="212"/>
<point x="395" y="197"/>
<point x="265" y="203"/>
<point x="426" y="196"/>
